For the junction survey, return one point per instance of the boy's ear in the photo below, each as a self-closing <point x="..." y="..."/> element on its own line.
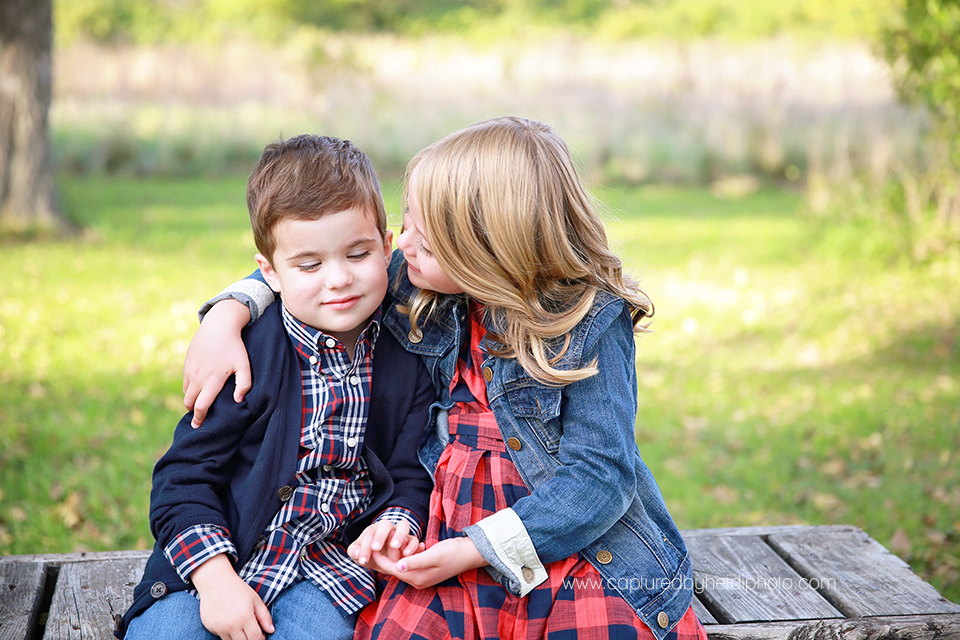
<point x="388" y="245"/>
<point x="268" y="273"/>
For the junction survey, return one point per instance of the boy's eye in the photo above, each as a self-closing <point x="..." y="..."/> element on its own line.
<point x="313" y="266"/>
<point x="359" y="256"/>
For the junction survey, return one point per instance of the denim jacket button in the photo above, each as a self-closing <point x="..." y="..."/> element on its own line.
<point x="487" y="374"/>
<point x="415" y="336"/>
<point x="514" y="444"/>
<point x="663" y="619"/>
<point x="604" y="556"/>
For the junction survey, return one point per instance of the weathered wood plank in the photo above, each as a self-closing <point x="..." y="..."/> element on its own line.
<point x="703" y="614"/>
<point x="88" y="596"/>
<point x="942" y="627"/>
<point x="58" y="559"/>
<point x="763" y="531"/>
<point x="858" y="575"/>
<point x="21" y="591"/>
<point x="741" y="579"/>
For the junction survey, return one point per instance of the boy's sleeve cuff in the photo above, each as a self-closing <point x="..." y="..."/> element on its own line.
<point x="251" y="292"/>
<point x="194" y="546"/>
<point x="504" y="543"/>
<point x="398" y="514"/>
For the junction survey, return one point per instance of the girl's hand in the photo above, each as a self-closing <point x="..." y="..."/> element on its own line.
<point x="229" y="607"/>
<point x="446" y="559"/>
<point x="382" y="544"/>
<point x="215" y="353"/>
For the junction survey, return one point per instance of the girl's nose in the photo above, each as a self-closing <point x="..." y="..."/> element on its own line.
<point x="404" y="241"/>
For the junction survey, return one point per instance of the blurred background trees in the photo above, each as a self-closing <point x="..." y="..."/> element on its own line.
<point x="27" y="200"/>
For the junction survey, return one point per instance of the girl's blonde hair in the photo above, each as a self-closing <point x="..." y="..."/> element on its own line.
<point x="509" y="220"/>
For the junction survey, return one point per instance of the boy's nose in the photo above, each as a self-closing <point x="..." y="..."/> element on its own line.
<point x="338" y="276"/>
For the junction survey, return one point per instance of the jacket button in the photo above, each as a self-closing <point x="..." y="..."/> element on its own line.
<point x="487" y="374"/>
<point x="663" y="619"/>
<point x="527" y="574"/>
<point x="285" y="493"/>
<point x="514" y="444"/>
<point x="158" y="590"/>
<point x="604" y="556"/>
<point x="415" y="336"/>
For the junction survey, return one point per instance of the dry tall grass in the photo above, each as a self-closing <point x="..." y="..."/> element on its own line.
<point x="635" y="112"/>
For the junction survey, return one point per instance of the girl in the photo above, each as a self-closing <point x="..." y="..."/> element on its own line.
<point x="544" y="520"/>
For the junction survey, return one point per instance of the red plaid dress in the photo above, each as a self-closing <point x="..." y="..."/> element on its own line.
<point x="474" y="479"/>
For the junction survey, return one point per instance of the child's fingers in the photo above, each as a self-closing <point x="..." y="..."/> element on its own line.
<point x="264" y="619"/>
<point x="400" y="533"/>
<point x="412" y="546"/>
<point x="243" y="380"/>
<point x="202" y="405"/>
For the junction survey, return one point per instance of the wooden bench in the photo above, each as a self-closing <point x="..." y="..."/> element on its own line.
<point x="787" y="583"/>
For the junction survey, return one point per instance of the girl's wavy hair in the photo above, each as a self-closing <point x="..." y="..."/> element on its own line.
<point x="509" y="220"/>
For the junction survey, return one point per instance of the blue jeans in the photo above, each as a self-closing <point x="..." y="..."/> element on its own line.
<point x="301" y="612"/>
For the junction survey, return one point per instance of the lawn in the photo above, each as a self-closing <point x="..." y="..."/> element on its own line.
<point x="782" y="383"/>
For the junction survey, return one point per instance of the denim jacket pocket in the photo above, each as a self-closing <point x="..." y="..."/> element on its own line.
<point x="539" y="407"/>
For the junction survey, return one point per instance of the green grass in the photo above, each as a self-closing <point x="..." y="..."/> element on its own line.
<point x="782" y="384"/>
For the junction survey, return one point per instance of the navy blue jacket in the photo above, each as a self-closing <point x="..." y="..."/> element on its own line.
<point x="249" y="451"/>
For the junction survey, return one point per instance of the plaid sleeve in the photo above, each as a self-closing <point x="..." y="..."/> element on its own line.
<point x="194" y="546"/>
<point x="400" y="514"/>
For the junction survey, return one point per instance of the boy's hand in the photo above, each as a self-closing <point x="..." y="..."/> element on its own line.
<point x="216" y="352"/>
<point x="382" y="544"/>
<point x="229" y="608"/>
<point x="446" y="559"/>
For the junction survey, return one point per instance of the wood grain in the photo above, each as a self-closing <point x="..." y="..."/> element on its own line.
<point x="741" y="579"/>
<point x="88" y="596"/>
<point x="858" y="575"/>
<point x="21" y="590"/>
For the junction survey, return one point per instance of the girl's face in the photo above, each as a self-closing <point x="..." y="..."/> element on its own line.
<point x="422" y="267"/>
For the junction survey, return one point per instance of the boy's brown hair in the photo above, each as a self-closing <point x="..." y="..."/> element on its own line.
<point x="305" y="178"/>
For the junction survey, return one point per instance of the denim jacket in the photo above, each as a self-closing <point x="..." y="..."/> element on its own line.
<point x="575" y="448"/>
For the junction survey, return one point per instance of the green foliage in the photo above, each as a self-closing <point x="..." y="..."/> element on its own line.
<point x="925" y="51"/>
<point x="781" y="385"/>
<point x="914" y="215"/>
<point x="152" y="21"/>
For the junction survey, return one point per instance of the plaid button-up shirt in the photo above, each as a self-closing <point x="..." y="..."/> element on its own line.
<point x="303" y="539"/>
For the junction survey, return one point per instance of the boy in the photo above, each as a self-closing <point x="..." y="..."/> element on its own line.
<point x="255" y="509"/>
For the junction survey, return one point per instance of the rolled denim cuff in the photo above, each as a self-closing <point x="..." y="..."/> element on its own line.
<point x="253" y="293"/>
<point x="503" y="542"/>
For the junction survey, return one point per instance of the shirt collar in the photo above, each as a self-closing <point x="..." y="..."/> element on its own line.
<point x="309" y="341"/>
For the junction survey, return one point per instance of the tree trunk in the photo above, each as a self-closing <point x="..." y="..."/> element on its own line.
<point x="27" y="196"/>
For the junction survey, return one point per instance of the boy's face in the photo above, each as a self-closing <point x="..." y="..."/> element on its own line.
<point x="330" y="272"/>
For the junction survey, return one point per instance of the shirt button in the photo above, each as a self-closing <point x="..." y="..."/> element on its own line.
<point x="354" y="380"/>
<point x="604" y="556"/>
<point x="285" y="493"/>
<point x="663" y="619"/>
<point x="330" y="342"/>
<point x="487" y="374"/>
<point x="158" y="590"/>
<point x="303" y="554"/>
<point x="313" y="359"/>
<point x="351" y="442"/>
<point x="415" y="336"/>
<point x="327" y="467"/>
<point x="325" y="507"/>
<point x="514" y="444"/>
